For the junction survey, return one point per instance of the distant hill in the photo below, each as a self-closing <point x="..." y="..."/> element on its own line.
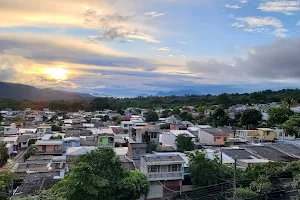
<point x="177" y="93"/>
<point x="19" y="91"/>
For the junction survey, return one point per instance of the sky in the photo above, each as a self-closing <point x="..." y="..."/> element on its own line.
<point x="126" y="48"/>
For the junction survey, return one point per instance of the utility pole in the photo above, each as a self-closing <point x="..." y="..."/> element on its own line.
<point x="234" y="179"/>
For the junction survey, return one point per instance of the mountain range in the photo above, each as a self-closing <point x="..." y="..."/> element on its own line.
<point x="20" y="91"/>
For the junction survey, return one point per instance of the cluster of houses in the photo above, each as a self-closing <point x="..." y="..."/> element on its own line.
<point x="140" y="146"/>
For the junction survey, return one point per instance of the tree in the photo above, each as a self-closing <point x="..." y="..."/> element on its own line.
<point x="220" y="117"/>
<point x="166" y="113"/>
<point x="152" y="116"/>
<point x="251" y="117"/>
<point x="278" y="116"/>
<point x="289" y="102"/>
<point x="257" y="97"/>
<point x="186" y="116"/>
<point x="165" y="126"/>
<point x="246" y="194"/>
<point x="54" y="127"/>
<point x="6" y="180"/>
<point x="207" y="171"/>
<point x="224" y="100"/>
<point x="105" y="118"/>
<point x="184" y="143"/>
<point x="1" y="118"/>
<point x="100" y="175"/>
<point x="262" y="185"/>
<point x="292" y="126"/>
<point x="176" y="111"/>
<point x="3" y="154"/>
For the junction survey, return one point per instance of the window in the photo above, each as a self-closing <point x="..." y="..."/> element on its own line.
<point x="215" y="139"/>
<point x="280" y="134"/>
<point x="44" y="147"/>
<point x="100" y="139"/>
<point x="176" y="168"/>
<point x="73" y="144"/>
<point x="153" y="135"/>
<point x="225" y="139"/>
<point x="268" y="133"/>
<point x="153" y="169"/>
<point x="24" y="143"/>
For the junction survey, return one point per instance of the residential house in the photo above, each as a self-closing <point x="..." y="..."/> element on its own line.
<point x="164" y="172"/>
<point x="209" y="113"/>
<point x="13" y="140"/>
<point x="70" y="142"/>
<point x="23" y="141"/>
<point x="215" y="136"/>
<point x="136" y="151"/>
<point x="44" y="129"/>
<point x="169" y="138"/>
<point x="11" y="130"/>
<point x="280" y="134"/>
<point x="106" y="140"/>
<point x="266" y="134"/>
<point x="74" y="152"/>
<point x="147" y="135"/>
<point x="52" y="147"/>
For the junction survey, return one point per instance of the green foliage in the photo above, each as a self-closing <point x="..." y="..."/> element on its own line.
<point x="261" y="185"/>
<point x="105" y="118"/>
<point x="152" y="116"/>
<point x="186" y="116"/>
<point x="289" y="101"/>
<point x="30" y="152"/>
<point x="1" y="118"/>
<point x="54" y="127"/>
<point x="166" y="113"/>
<point x="257" y="97"/>
<point x="292" y="126"/>
<point x="184" y="143"/>
<point x="224" y="100"/>
<point x="251" y="117"/>
<point x="165" y="126"/>
<point x="206" y="171"/>
<point x="3" y="153"/>
<point x="100" y="175"/>
<point x="6" y="181"/>
<point x="56" y="137"/>
<point x="176" y="111"/>
<point x="278" y="116"/>
<point x="220" y="117"/>
<point x="246" y="194"/>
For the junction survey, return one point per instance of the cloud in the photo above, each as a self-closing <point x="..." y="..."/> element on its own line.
<point x="276" y="62"/>
<point x="232" y="6"/>
<point x="164" y="49"/>
<point x="285" y="7"/>
<point x="154" y="14"/>
<point x="269" y="25"/>
<point x="63" y="49"/>
<point x="243" y="1"/>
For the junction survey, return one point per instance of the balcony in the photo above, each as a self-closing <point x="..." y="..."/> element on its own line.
<point x="53" y="152"/>
<point x="107" y="145"/>
<point x="165" y="176"/>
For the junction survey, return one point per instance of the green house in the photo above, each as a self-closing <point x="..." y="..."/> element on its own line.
<point x="106" y="140"/>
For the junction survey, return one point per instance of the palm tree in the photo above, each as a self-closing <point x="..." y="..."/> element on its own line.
<point x="289" y="101"/>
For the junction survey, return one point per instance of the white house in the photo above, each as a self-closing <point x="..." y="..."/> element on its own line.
<point x="169" y="138"/>
<point x="11" y="130"/>
<point x="281" y="135"/>
<point x="164" y="172"/>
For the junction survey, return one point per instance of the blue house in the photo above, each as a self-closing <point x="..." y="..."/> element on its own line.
<point x="70" y="142"/>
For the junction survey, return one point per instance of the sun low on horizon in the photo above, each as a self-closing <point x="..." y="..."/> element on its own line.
<point x="56" y="73"/>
